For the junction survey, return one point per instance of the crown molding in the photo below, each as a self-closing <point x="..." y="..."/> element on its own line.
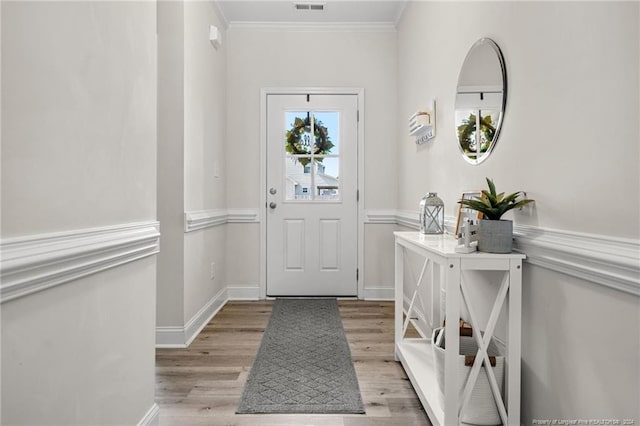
<point x="313" y="26"/>
<point x="35" y="263"/>
<point x="400" y="13"/>
<point x="220" y="13"/>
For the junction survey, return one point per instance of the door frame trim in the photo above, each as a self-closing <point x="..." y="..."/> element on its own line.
<point x="264" y="92"/>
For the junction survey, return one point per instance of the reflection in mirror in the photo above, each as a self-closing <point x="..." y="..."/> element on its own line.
<point x="480" y="100"/>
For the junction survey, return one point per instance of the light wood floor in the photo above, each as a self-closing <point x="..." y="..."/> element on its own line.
<point x="202" y="385"/>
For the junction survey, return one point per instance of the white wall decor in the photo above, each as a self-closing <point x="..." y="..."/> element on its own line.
<point x="215" y="36"/>
<point x="422" y="124"/>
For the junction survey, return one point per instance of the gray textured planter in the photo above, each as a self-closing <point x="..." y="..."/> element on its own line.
<point x="495" y="236"/>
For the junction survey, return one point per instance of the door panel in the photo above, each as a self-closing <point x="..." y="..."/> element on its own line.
<point x="294" y="244"/>
<point x="329" y="244"/>
<point x="311" y="195"/>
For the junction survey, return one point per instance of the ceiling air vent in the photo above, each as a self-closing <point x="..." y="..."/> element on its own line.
<point x="309" y="6"/>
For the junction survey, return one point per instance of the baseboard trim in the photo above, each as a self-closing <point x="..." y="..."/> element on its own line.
<point x="379" y="293"/>
<point x="204" y="315"/>
<point x="152" y="417"/>
<point x="35" y="263"/>
<point x="201" y="219"/>
<point x="177" y="337"/>
<point x="170" y="337"/>
<point x="243" y="293"/>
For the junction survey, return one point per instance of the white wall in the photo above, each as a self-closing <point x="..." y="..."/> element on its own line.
<point x="570" y="139"/>
<point x="79" y="151"/>
<point x="191" y="172"/>
<point x="204" y="109"/>
<point x="581" y="69"/>
<point x="170" y="306"/>
<point x="261" y="58"/>
<point x="90" y="99"/>
<point x="204" y="150"/>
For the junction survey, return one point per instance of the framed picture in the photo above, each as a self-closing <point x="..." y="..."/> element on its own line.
<point x="465" y="212"/>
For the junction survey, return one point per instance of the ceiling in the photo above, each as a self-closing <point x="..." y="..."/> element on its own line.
<point x="335" y="11"/>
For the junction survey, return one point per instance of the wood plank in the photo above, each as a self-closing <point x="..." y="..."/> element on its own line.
<point x="202" y="385"/>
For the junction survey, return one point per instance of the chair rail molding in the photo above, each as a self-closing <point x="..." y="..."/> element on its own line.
<point x="384" y="217"/>
<point x="201" y="219"/>
<point x="609" y="261"/>
<point x="34" y="263"/>
<point x="408" y="218"/>
<point x="243" y="216"/>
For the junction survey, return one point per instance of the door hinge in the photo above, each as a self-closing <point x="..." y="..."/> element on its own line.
<point x="357" y="274"/>
<point x="358" y="116"/>
<point x="357" y="195"/>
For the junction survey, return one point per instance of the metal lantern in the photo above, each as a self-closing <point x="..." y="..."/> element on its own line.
<point x="431" y="214"/>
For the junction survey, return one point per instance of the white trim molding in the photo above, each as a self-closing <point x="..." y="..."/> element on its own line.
<point x="243" y="216"/>
<point x="35" y="263"/>
<point x="201" y="219"/>
<point x="609" y="261"/>
<point x="380" y="293"/>
<point x="243" y="293"/>
<point x="195" y="325"/>
<point x="170" y="337"/>
<point x="381" y="217"/>
<point x="612" y="262"/>
<point x="368" y="27"/>
<point x="220" y="13"/>
<point x="407" y="218"/>
<point x="182" y="337"/>
<point x="152" y="417"/>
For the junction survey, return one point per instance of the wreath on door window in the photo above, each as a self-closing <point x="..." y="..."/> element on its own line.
<point x="297" y="145"/>
<point x="468" y="127"/>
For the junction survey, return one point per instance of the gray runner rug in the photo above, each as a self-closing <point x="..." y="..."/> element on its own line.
<point x="303" y="364"/>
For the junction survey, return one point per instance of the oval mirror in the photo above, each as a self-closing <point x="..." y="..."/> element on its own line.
<point x="481" y="97"/>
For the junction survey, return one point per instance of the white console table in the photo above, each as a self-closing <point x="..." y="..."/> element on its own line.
<point x="416" y="354"/>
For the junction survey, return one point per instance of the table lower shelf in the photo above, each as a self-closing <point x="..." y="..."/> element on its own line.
<point x="416" y="356"/>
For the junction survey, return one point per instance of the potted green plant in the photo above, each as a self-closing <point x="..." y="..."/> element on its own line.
<point x="495" y="235"/>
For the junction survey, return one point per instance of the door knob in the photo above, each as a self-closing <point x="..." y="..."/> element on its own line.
<point x="272" y="205"/>
<point x="272" y="191"/>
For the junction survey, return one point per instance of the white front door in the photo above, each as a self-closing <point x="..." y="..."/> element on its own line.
<point x="312" y="187"/>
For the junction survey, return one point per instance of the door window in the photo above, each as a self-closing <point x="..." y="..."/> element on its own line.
<point x="312" y="156"/>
